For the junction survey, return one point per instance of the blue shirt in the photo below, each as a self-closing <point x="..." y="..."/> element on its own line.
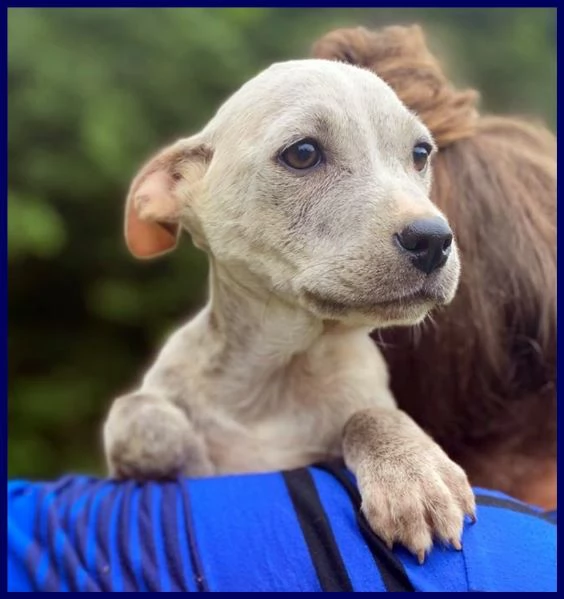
<point x="290" y="531"/>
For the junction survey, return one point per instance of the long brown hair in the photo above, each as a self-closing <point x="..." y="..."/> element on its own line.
<point x="480" y="376"/>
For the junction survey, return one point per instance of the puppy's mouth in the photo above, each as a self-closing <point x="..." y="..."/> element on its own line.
<point x="393" y="307"/>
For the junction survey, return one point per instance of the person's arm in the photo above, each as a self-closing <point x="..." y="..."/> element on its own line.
<point x="291" y="531"/>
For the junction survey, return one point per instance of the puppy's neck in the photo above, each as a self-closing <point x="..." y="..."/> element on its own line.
<point x="261" y="352"/>
<point x="253" y="326"/>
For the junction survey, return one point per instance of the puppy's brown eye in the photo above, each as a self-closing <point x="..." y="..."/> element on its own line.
<point x="421" y="153"/>
<point x="304" y="154"/>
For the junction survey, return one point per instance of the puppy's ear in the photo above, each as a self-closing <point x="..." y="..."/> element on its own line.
<point x="159" y="194"/>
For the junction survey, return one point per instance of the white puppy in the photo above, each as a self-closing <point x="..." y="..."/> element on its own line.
<point x="309" y="192"/>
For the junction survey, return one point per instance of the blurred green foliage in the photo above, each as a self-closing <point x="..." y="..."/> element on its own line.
<point x="92" y="93"/>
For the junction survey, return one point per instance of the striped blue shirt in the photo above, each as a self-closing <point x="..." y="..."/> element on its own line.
<point x="290" y="531"/>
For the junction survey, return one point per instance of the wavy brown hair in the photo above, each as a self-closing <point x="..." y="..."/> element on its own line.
<point x="480" y="375"/>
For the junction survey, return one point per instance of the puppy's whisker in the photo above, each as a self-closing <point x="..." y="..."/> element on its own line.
<point x="377" y="336"/>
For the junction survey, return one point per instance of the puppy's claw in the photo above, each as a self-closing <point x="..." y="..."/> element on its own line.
<point x="421" y="557"/>
<point x="456" y="544"/>
<point x="473" y="519"/>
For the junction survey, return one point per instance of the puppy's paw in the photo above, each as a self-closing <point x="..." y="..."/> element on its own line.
<point x="147" y="439"/>
<point x="414" y="496"/>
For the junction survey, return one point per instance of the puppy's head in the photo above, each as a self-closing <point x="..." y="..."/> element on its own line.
<point x="312" y="181"/>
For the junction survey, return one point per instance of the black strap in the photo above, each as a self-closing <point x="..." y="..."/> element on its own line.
<point x="391" y="569"/>
<point x="325" y="555"/>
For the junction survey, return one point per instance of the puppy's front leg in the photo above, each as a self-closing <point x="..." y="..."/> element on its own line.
<point x="147" y="437"/>
<point x="411" y="490"/>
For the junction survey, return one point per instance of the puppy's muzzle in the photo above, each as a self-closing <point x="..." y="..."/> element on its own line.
<point x="428" y="243"/>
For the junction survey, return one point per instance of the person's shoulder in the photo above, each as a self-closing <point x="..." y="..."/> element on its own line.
<point x="512" y="547"/>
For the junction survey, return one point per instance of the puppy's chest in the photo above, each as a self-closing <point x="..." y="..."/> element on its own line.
<point x="268" y="443"/>
<point x="282" y="430"/>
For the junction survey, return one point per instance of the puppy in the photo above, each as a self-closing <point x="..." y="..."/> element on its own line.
<point x="309" y="192"/>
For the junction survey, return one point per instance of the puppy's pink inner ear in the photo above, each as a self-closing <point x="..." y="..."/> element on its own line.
<point x="152" y="212"/>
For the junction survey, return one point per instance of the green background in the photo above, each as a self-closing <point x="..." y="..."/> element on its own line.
<point x="92" y="93"/>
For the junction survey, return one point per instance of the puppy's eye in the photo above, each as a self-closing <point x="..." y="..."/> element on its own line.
<point x="421" y="153"/>
<point x="302" y="155"/>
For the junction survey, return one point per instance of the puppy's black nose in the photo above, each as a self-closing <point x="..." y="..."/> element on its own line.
<point x="428" y="241"/>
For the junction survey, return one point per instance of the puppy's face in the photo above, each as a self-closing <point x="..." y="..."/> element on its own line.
<point x="314" y="179"/>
